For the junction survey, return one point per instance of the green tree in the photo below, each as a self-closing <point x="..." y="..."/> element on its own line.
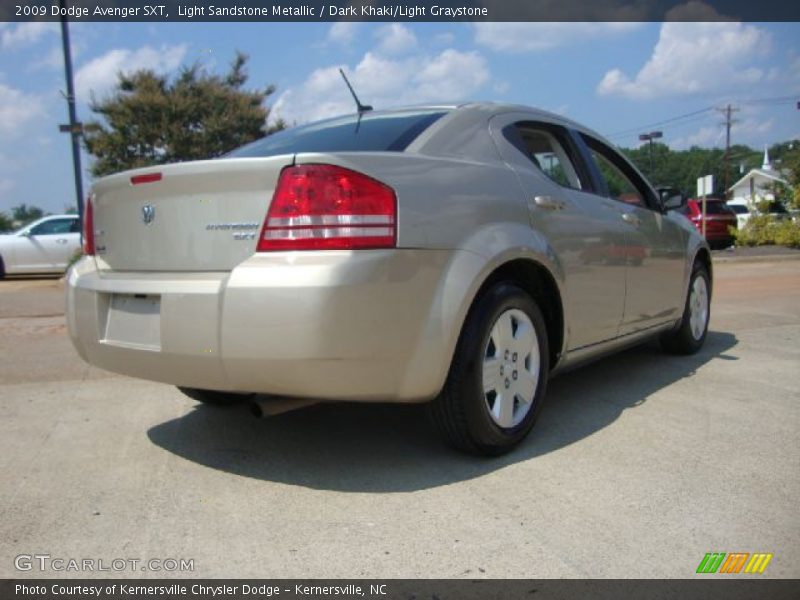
<point x="790" y="161"/>
<point x="680" y="169"/>
<point x="150" y="119"/>
<point x="24" y="214"/>
<point x="6" y="223"/>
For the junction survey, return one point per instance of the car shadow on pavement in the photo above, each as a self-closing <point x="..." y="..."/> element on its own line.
<point x="371" y="448"/>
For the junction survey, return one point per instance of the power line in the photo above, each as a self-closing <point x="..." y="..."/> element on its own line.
<point x="669" y="127"/>
<point x="775" y="101"/>
<point x="770" y="101"/>
<point x="632" y="130"/>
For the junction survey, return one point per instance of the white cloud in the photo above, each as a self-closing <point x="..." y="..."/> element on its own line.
<point x="395" y="38"/>
<point x="501" y="87"/>
<point x="343" y="32"/>
<point x="517" y="38"/>
<point x="384" y="82"/>
<point x="100" y="74"/>
<point x="24" y="34"/>
<point x="692" y="58"/>
<point x="704" y="137"/>
<point x="16" y="109"/>
<point x="52" y="60"/>
<point x="752" y="128"/>
<point x="445" y="38"/>
<point x="793" y="72"/>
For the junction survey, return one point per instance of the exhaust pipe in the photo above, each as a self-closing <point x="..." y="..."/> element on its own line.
<point x="269" y="406"/>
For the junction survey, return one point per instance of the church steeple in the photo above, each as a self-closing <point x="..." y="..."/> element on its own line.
<point x="766" y="166"/>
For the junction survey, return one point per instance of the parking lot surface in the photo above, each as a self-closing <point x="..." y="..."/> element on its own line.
<point x="640" y="464"/>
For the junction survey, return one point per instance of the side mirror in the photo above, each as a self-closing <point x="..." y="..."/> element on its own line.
<point x="26" y="233"/>
<point x="674" y="202"/>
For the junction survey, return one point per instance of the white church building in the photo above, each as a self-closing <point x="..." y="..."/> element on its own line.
<point x="756" y="185"/>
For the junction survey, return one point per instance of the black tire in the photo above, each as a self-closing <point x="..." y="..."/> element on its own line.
<point x="462" y="409"/>
<point x="215" y="398"/>
<point x="2" y="268"/>
<point x="681" y="340"/>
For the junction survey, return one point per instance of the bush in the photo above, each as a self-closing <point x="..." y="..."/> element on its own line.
<point x="788" y="234"/>
<point x="763" y="230"/>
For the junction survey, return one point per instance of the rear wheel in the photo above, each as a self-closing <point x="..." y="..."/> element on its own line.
<point x="215" y="398"/>
<point x="690" y="334"/>
<point x="2" y="268"/>
<point x="498" y="377"/>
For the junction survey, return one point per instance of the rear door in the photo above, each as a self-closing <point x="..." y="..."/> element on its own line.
<point x="587" y="237"/>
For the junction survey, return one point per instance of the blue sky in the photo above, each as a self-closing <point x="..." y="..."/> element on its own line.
<point x="614" y="77"/>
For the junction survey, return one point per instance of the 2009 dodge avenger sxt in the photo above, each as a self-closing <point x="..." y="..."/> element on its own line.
<point x="457" y="255"/>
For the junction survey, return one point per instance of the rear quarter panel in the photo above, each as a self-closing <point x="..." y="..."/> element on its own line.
<point x="473" y="209"/>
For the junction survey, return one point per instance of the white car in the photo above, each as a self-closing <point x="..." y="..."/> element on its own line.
<point x="776" y="211"/>
<point x="742" y="214"/>
<point x="44" y="246"/>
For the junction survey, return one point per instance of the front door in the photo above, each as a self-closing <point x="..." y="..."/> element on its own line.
<point x="587" y="237"/>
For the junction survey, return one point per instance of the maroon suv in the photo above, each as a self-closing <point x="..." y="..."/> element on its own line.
<point x="719" y="218"/>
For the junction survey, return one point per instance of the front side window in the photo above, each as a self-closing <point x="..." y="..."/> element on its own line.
<point x="622" y="182"/>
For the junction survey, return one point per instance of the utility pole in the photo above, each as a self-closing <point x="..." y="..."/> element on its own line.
<point x="728" y="112"/>
<point x="74" y="127"/>
<point x="649" y="137"/>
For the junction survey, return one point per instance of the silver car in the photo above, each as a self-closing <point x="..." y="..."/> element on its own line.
<point x="454" y="255"/>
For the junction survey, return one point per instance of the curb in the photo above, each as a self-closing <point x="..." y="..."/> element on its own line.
<point x="752" y="259"/>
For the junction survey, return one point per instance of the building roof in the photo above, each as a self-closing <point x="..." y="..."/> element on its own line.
<point x="765" y="173"/>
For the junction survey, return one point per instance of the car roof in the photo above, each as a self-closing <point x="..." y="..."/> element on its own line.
<point x="483" y="110"/>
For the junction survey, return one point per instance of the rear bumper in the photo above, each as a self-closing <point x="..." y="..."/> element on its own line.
<point x="717" y="231"/>
<point x="366" y="325"/>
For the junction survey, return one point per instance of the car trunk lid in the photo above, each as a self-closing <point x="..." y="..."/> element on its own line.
<point x="194" y="216"/>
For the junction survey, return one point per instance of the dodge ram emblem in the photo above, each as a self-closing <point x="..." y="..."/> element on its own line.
<point x="148" y="213"/>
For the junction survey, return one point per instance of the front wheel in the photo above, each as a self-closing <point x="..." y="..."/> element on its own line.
<point x="690" y="334"/>
<point x="498" y="377"/>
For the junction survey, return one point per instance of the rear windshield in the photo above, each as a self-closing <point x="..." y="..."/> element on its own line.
<point x="391" y="132"/>
<point x="714" y="208"/>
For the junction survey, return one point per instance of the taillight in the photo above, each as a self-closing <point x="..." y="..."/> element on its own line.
<point x="88" y="228"/>
<point x="325" y="207"/>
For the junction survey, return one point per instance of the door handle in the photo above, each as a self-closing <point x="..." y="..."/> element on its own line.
<point x="631" y="218"/>
<point x="548" y="202"/>
<point x="61" y="241"/>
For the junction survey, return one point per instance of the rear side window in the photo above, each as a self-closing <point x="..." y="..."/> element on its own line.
<point x="548" y="149"/>
<point x="380" y="132"/>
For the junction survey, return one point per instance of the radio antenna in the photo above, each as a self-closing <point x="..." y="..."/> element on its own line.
<point x="361" y="107"/>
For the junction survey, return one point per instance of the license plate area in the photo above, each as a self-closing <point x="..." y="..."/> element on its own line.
<point x="134" y="320"/>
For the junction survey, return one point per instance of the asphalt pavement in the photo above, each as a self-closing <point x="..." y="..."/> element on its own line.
<point x="640" y="464"/>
